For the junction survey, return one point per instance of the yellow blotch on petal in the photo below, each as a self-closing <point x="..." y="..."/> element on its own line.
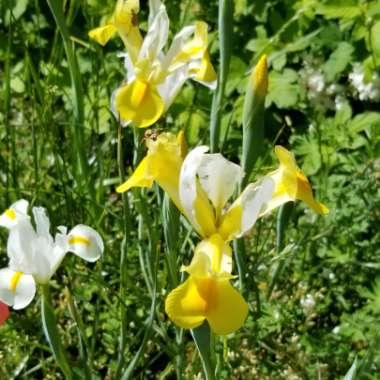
<point x="79" y="240"/>
<point x="10" y="214"/>
<point x="15" y="280"/>
<point x="140" y="103"/>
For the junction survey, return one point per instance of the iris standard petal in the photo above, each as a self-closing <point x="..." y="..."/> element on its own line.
<point x="85" y="242"/>
<point x="125" y="20"/>
<point x="218" y="178"/>
<point x="139" y="102"/>
<point x="42" y="223"/>
<point x="158" y="29"/>
<point x="193" y="198"/>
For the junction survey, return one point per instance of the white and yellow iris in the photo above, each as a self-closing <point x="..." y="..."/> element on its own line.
<point x="34" y="255"/>
<point x="153" y="77"/>
<point x="201" y="184"/>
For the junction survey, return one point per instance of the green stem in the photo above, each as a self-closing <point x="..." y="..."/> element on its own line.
<point x="283" y="218"/>
<point x="123" y="259"/>
<point x="76" y="84"/>
<point x="51" y="332"/>
<point x="239" y="253"/>
<point x="202" y="339"/>
<point x="83" y="343"/>
<point x="148" y="328"/>
<point x="225" y="23"/>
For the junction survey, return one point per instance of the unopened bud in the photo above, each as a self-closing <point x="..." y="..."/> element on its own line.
<point x="259" y="76"/>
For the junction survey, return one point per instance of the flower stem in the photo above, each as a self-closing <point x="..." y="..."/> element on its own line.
<point x="51" y="332"/>
<point x="283" y="218"/>
<point x="225" y="22"/>
<point x="123" y="258"/>
<point x="202" y="339"/>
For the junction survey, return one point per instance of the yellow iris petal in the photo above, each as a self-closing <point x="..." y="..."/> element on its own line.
<point x="162" y="164"/>
<point x="292" y="184"/>
<point x="139" y="102"/>
<point x="185" y="306"/>
<point x="204" y="213"/>
<point x="286" y="158"/>
<point x="230" y="225"/>
<point x="304" y="193"/>
<point x="165" y="164"/>
<point x="181" y="139"/>
<point x="207" y="298"/>
<point x="228" y="310"/>
<point x="102" y="34"/>
<point x="140" y="178"/>
<point x="125" y="20"/>
<point x="206" y="72"/>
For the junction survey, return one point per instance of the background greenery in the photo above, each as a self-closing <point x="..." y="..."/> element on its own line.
<point x="324" y="309"/>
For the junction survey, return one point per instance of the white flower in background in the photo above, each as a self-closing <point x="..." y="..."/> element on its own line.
<point x="316" y="82"/>
<point x="365" y="90"/>
<point x="308" y="303"/>
<point x="34" y="255"/>
<point x="313" y="80"/>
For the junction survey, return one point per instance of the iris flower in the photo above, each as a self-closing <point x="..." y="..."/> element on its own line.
<point x="154" y="77"/>
<point x="34" y="255"/>
<point x="200" y="185"/>
<point x="207" y="292"/>
<point x="4" y="313"/>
